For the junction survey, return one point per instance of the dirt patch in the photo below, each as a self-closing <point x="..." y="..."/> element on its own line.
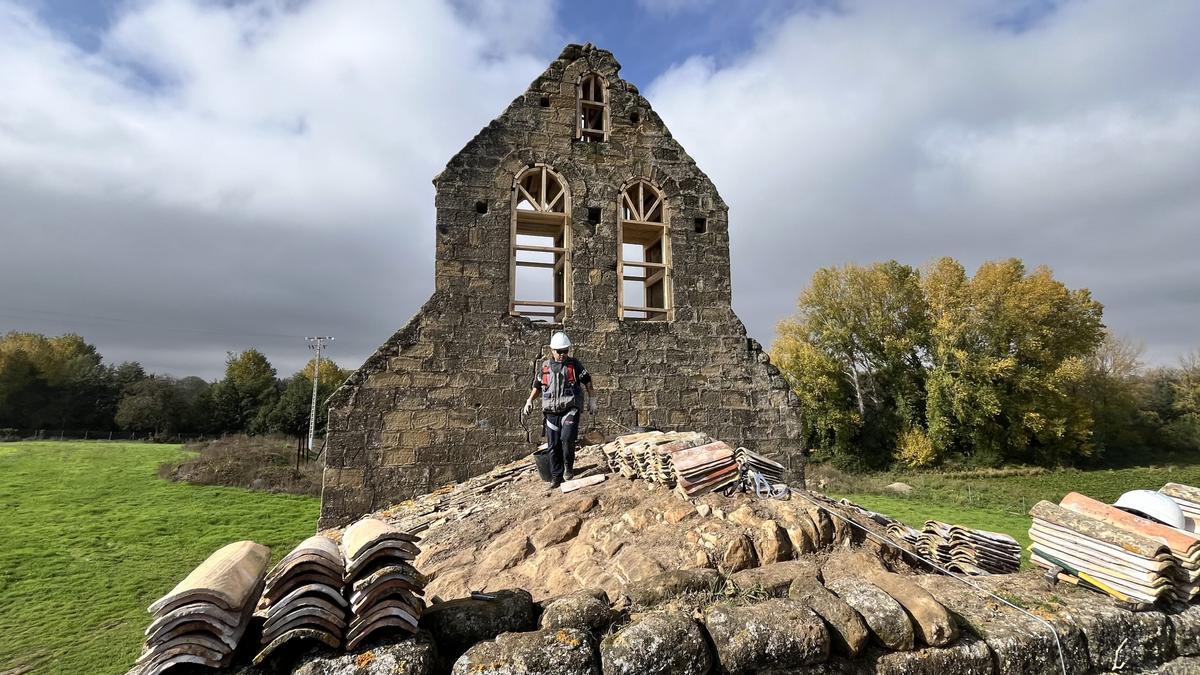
<point x="255" y="462"/>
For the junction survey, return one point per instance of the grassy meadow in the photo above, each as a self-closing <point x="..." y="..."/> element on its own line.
<point x="92" y="536"/>
<point x="998" y="501"/>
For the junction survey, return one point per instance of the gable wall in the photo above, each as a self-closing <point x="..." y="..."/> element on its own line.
<point x="440" y="400"/>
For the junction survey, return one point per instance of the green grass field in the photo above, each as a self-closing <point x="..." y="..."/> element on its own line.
<point x="1001" y="503"/>
<point x="91" y="536"/>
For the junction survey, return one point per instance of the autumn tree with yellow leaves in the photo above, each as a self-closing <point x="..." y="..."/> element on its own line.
<point x="894" y="363"/>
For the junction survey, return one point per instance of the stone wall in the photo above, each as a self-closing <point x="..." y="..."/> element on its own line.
<point x="439" y="401"/>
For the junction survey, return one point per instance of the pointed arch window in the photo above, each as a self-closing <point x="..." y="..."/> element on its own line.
<point x="643" y="253"/>
<point x="540" y="271"/>
<point x="591" y="112"/>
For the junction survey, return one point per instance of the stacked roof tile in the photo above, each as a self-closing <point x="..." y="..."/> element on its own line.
<point x="1123" y="563"/>
<point x="386" y="590"/>
<point x="304" y="597"/>
<point x="961" y="549"/>
<point x="909" y="535"/>
<point x="690" y="462"/>
<point x="768" y="468"/>
<point x="705" y="468"/>
<point x="1184" y="546"/>
<point x="649" y="455"/>
<point x="1188" y="499"/>
<point x="202" y="620"/>
<point x="934" y="541"/>
<point x="983" y="552"/>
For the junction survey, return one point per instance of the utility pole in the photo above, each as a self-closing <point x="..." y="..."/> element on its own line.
<point x="316" y="343"/>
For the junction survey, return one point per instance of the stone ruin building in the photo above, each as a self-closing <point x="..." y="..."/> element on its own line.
<point x="575" y="210"/>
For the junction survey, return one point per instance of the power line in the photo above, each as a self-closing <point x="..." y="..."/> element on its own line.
<point x="81" y="319"/>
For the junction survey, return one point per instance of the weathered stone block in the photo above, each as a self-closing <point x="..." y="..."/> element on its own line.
<point x="430" y="419"/>
<point x="344" y="478"/>
<point x="398" y="456"/>
<point x="1018" y="642"/>
<point x="387" y="380"/>
<point x="416" y="655"/>
<point x="1185" y="622"/>
<point x="776" y="634"/>
<point x="654" y="590"/>
<point x="559" y="651"/>
<point x="586" y="610"/>
<point x="967" y="656"/>
<point x="666" y="643"/>
<point x="458" y="624"/>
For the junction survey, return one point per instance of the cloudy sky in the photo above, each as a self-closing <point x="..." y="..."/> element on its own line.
<point x="180" y="178"/>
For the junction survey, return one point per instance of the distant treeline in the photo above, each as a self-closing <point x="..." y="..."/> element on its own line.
<point x="933" y="366"/>
<point x="63" y="383"/>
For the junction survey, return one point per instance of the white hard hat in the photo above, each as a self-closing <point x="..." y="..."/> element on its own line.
<point x="1150" y="504"/>
<point x="560" y="341"/>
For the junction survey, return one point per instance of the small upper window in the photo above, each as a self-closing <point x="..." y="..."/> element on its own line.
<point x="592" y="109"/>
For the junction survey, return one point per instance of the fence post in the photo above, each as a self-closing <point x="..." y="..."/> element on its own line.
<point x="60" y="434"/>
<point x="110" y="435"/>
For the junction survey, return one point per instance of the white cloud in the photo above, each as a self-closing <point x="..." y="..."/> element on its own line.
<point x="190" y="171"/>
<point x="313" y="113"/>
<point x="878" y="131"/>
<point x="674" y="7"/>
<point x="196" y="166"/>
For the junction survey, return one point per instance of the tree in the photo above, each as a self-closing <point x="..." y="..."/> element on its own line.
<point x="114" y="384"/>
<point x="249" y="389"/>
<point x="60" y="380"/>
<point x="1008" y="350"/>
<point x="1183" y="429"/>
<point x="152" y="404"/>
<point x="1187" y="386"/>
<point x="894" y="364"/>
<point x="1117" y="394"/>
<point x="195" y="397"/>
<point x="854" y="352"/>
<point x="290" y="413"/>
<point x="22" y="389"/>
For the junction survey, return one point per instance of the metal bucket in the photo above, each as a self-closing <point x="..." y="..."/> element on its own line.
<point x="541" y="457"/>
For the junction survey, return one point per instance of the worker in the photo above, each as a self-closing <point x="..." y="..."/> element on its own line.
<point x="560" y="381"/>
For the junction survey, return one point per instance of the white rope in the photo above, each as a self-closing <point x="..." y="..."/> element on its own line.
<point x="1057" y="643"/>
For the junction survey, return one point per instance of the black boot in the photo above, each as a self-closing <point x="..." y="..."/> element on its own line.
<point x="555" y="483"/>
<point x="569" y="460"/>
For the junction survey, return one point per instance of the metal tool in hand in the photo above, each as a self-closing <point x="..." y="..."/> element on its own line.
<point x="528" y="434"/>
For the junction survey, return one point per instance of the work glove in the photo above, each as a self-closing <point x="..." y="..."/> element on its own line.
<point x="528" y="407"/>
<point x="592" y="406"/>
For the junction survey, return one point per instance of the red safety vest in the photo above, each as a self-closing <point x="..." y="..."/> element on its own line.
<point x="559" y="393"/>
<point x="546" y="373"/>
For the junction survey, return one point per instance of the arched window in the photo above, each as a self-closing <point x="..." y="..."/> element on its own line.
<point x="540" y="274"/>
<point x="591" y="109"/>
<point x="643" y="253"/>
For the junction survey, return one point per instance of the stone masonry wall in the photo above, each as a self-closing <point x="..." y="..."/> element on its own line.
<point x="439" y="401"/>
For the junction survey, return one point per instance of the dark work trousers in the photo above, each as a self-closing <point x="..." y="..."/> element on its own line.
<point x="561" y="431"/>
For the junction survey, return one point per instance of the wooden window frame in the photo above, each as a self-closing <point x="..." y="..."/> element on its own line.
<point x="550" y="217"/>
<point x="585" y="102"/>
<point x="648" y="226"/>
